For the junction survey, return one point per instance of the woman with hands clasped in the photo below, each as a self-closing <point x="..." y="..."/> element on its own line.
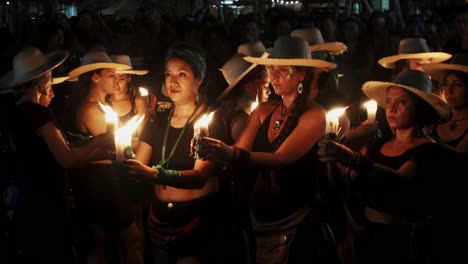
<point x="398" y="175"/>
<point x="278" y="141"/>
<point x="184" y="220"/>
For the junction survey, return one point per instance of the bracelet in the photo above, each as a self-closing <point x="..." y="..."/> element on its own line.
<point x="165" y="173"/>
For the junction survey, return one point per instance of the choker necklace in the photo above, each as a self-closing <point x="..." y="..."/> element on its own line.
<point x="284" y="112"/>
<point x="454" y="123"/>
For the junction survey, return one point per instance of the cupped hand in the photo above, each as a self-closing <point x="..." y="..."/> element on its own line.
<point x="330" y="150"/>
<point x="135" y="167"/>
<point x="214" y="149"/>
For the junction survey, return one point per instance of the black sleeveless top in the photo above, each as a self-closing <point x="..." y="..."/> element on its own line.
<point x="280" y="192"/>
<point x="454" y="142"/>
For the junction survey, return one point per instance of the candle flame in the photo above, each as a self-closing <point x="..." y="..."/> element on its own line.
<point x="204" y="121"/>
<point x="333" y="123"/>
<point x="123" y="136"/>
<point x="109" y="114"/>
<point x="254" y="105"/>
<point x="371" y="105"/>
<point x="143" y="91"/>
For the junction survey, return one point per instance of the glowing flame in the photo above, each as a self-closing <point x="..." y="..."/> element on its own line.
<point x="143" y="91"/>
<point x="204" y="121"/>
<point x="254" y="105"/>
<point x="123" y="136"/>
<point x="111" y="117"/>
<point x="371" y="110"/>
<point x="333" y="124"/>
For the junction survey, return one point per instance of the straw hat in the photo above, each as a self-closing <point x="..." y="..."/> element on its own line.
<point x="413" y="48"/>
<point x="61" y="79"/>
<point x="94" y="60"/>
<point x="254" y="49"/>
<point x="438" y="71"/>
<point x="234" y="70"/>
<point x="125" y="59"/>
<point x="414" y="81"/>
<point x="291" y="51"/>
<point x="29" y="64"/>
<point x="316" y="42"/>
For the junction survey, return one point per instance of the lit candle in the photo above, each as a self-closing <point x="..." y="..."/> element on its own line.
<point x="253" y="105"/>
<point x="123" y="138"/>
<point x="112" y="119"/>
<point x="200" y="129"/>
<point x="371" y="110"/>
<point x="144" y="92"/>
<point x="333" y="121"/>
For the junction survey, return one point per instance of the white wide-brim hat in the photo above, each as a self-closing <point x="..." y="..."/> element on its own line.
<point x="413" y="48"/>
<point x="253" y="49"/>
<point x="94" y="60"/>
<point x="234" y="70"/>
<point x="29" y="64"/>
<point x="314" y="37"/>
<point x="125" y="59"/>
<point x="414" y="81"/>
<point x="290" y="51"/>
<point x="438" y="71"/>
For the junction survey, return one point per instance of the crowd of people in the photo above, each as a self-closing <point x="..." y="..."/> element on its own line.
<point x="233" y="156"/>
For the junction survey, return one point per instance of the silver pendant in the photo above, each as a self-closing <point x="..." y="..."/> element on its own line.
<point x="277" y="124"/>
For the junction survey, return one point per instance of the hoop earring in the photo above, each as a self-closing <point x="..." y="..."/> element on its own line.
<point x="300" y="88"/>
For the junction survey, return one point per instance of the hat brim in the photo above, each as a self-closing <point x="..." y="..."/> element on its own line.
<point x="333" y="47"/>
<point x="378" y="91"/>
<point x="57" y="80"/>
<point x="436" y="57"/>
<point x="54" y="59"/>
<point x="229" y="88"/>
<point x="438" y="71"/>
<point x="292" y="62"/>
<point x="75" y="73"/>
<point x="134" y="72"/>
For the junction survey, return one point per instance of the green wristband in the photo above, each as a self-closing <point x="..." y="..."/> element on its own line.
<point x="165" y="173"/>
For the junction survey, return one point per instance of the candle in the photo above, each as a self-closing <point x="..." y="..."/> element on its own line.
<point x="111" y="117"/>
<point x="144" y="92"/>
<point x="253" y="105"/>
<point x="371" y="110"/>
<point x="333" y="121"/>
<point x="200" y="129"/>
<point x="123" y="138"/>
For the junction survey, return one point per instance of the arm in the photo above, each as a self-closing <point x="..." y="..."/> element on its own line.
<point x="462" y="147"/>
<point x="71" y="157"/>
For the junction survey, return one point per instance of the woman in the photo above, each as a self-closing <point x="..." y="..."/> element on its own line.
<point x="126" y="99"/>
<point x="453" y="78"/>
<point x="184" y="221"/>
<point x="278" y="141"/>
<point x="397" y="176"/>
<point x="43" y="210"/>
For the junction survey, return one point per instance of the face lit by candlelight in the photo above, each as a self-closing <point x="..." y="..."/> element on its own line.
<point x="106" y="79"/>
<point x="122" y="83"/>
<point x="180" y="82"/>
<point x="400" y="108"/>
<point x="45" y="90"/>
<point x="285" y="79"/>
<point x="455" y="91"/>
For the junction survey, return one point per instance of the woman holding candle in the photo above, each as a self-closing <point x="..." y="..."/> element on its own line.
<point x="184" y="220"/>
<point x="43" y="156"/>
<point x="398" y="176"/>
<point x="98" y="186"/>
<point x="278" y="142"/>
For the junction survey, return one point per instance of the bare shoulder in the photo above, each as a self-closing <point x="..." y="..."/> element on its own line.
<point x="264" y="109"/>
<point x="315" y="110"/>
